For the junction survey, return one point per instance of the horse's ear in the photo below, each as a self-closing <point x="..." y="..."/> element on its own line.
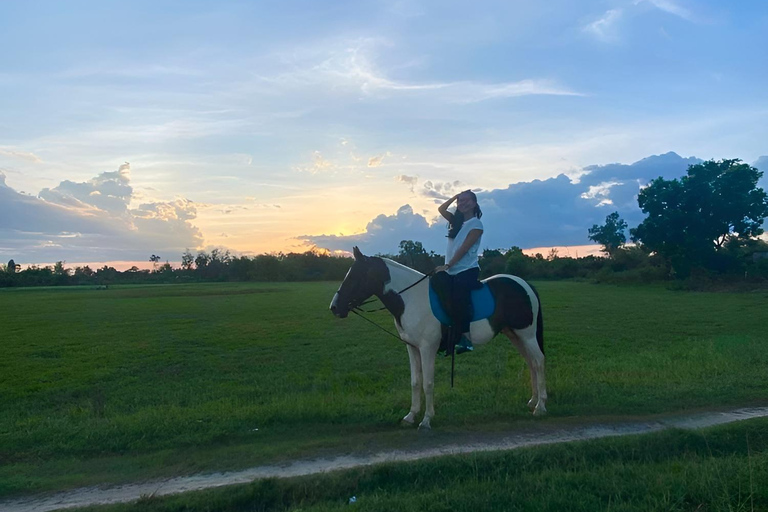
<point x="357" y="253"/>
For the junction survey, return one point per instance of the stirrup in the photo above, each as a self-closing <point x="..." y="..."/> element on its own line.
<point x="464" y="345"/>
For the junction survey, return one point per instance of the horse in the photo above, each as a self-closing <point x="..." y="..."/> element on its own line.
<point x="405" y="294"/>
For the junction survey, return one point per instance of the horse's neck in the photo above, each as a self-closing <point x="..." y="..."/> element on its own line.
<point x="400" y="276"/>
<point x="414" y="300"/>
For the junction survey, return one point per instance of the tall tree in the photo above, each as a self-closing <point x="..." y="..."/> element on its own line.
<point x="691" y="218"/>
<point x="611" y="234"/>
<point x="12" y="266"/>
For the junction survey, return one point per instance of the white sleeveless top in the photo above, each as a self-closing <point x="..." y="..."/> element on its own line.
<point x="469" y="260"/>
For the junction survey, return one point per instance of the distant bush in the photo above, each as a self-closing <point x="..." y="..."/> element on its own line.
<point x="739" y="261"/>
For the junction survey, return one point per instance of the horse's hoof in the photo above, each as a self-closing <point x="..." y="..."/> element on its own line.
<point x="405" y="423"/>
<point x="424" y="426"/>
<point x="532" y="404"/>
<point x="540" y="410"/>
<point x="409" y="419"/>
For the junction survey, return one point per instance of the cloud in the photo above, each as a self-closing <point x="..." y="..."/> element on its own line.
<point x="375" y="161"/>
<point x="761" y="164"/>
<point x="473" y="92"/>
<point x="440" y="190"/>
<point x="383" y="234"/>
<point x="411" y="181"/>
<point x="353" y="68"/>
<point x="21" y="155"/>
<point x="671" y="7"/>
<point x="319" y="164"/>
<point x="539" y="213"/>
<point x="605" y="28"/>
<point x="601" y="192"/>
<point x="109" y="192"/>
<point x="93" y="221"/>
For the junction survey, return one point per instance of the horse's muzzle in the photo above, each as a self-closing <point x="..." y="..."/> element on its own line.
<point x="338" y="311"/>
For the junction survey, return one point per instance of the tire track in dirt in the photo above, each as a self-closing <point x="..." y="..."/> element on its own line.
<point x="537" y="436"/>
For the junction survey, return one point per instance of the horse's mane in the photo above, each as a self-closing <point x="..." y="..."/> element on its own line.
<point x="401" y="266"/>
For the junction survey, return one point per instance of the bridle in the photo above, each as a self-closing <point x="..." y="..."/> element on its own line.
<point x="359" y="311"/>
<point x="398" y="293"/>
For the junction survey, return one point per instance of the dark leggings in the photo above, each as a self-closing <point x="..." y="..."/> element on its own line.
<point x="461" y="286"/>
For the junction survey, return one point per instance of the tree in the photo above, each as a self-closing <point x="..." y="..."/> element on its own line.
<point x="690" y="219"/>
<point x="611" y="234"/>
<point x="187" y="260"/>
<point x="553" y="254"/>
<point x="518" y="264"/>
<point x="154" y="259"/>
<point x="413" y="254"/>
<point x="12" y="267"/>
<point x="202" y="260"/>
<point x="492" y="261"/>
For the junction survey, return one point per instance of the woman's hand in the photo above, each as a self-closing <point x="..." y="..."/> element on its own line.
<point x="443" y="208"/>
<point x="442" y="268"/>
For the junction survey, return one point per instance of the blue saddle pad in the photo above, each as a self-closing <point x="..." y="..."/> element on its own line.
<point x="483" y="305"/>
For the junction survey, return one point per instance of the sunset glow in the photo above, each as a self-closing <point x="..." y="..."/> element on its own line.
<point x="152" y="127"/>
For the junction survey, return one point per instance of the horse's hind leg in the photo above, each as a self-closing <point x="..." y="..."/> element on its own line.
<point x="520" y="346"/>
<point x="528" y="347"/>
<point x="537" y="367"/>
<point x="416" y="379"/>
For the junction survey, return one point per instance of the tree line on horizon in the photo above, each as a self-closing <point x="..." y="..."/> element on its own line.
<point x="705" y="224"/>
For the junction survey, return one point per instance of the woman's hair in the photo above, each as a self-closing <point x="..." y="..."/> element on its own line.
<point x="458" y="218"/>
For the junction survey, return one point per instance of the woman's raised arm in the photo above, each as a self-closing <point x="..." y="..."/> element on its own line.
<point x="443" y="208"/>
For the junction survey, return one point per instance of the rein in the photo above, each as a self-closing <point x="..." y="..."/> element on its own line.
<point x="357" y="308"/>
<point x="377" y="325"/>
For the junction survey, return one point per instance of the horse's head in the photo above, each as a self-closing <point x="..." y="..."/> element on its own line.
<point x="367" y="276"/>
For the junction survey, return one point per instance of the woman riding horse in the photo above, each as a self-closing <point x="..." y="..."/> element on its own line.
<point x="461" y="272"/>
<point x="405" y="293"/>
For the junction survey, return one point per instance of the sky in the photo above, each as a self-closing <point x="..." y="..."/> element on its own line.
<point x="150" y="127"/>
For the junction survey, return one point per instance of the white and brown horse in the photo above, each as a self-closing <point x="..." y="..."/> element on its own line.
<point x="517" y="314"/>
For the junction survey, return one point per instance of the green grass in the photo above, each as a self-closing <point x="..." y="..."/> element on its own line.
<point x="722" y="469"/>
<point x="104" y="386"/>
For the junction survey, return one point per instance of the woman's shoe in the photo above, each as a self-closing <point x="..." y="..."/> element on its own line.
<point x="464" y="345"/>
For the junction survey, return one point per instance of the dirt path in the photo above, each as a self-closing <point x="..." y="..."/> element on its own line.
<point x="539" y="434"/>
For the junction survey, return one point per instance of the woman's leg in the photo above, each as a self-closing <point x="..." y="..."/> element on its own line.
<point x="463" y="284"/>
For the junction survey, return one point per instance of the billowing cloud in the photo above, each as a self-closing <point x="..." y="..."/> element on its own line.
<point x="109" y="192"/>
<point x="383" y="234"/>
<point x="92" y="221"/>
<point x="540" y="213"/>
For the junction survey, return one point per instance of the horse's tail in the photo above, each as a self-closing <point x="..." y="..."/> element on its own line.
<point x="539" y="323"/>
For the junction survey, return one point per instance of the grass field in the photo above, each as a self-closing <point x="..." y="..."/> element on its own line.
<point x="104" y="386"/>
<point x="721" y="469"/>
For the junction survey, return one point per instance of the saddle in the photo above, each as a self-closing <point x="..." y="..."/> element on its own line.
<point x="483" y="303"/>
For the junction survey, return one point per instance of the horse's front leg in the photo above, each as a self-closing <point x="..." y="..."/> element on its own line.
<point x="428" y="373"/>
<point x="415" y="359"/>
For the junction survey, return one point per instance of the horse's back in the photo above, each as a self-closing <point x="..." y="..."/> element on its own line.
<point x="517" y="303"/>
